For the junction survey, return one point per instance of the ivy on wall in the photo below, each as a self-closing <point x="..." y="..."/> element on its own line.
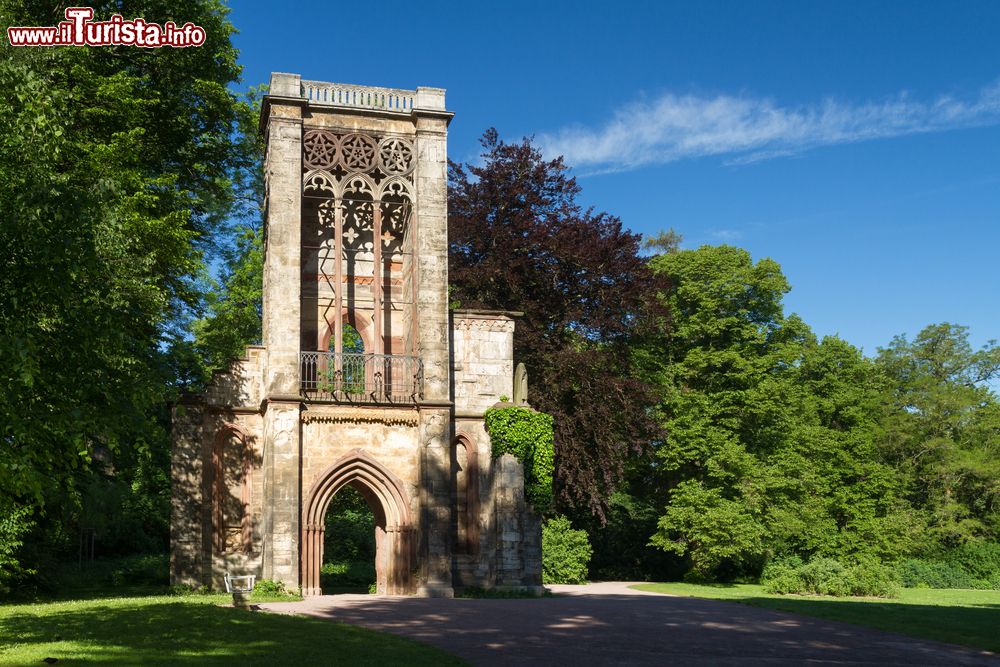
<point x="527" y="434"/>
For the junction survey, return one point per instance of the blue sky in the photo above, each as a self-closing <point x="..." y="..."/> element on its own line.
<point x="856" y="143"/>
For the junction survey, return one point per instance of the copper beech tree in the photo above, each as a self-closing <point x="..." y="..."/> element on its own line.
<point x="520" y="241"/>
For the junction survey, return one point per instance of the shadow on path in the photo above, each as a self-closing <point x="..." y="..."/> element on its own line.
<point x="609" y="624"/>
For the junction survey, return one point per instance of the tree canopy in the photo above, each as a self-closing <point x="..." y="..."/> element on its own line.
<point x="520" y="241"/>
<point x="115" y="181"/>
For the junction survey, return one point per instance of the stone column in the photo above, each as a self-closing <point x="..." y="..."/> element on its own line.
<point x="282" y="297"/>
<point x="282" y="452"/>
<point x="282" y="324"/>
<point x="433" y="341"/>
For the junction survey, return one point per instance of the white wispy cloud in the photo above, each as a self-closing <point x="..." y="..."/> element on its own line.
<point x="748" y="129"/>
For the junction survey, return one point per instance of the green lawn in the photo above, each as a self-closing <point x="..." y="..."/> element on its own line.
<point x="967" y="617"/>
<point x="189" y="630"/>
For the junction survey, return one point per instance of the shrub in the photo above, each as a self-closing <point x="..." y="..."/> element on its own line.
<point x="565" y="552"/>
<point x="980" y="560"/>
<point x="827" y="576"/>
<point x="922" y="573"/>
<point x="972" y="565"/>
<point x="781" y="575"/>
<point x="269" y="587"/>
<point x="188" y="589"/>
<point x="871" y="578"/>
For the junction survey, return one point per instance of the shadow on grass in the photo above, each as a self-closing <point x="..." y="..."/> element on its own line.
<point x="167" y="632"/>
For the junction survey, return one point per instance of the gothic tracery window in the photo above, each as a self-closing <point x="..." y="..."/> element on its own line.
<point x="357" y="215"/>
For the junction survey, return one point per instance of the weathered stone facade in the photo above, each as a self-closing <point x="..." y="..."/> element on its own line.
<point x="365" y="378"/>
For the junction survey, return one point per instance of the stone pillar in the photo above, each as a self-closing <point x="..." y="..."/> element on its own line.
<point x="187" y="471"/>
<point x="282" y="297"/>
<point x="433" y="341"/>
<point x="282" y="452"/>
<point x="518" y="530"/>
<point x="282" y="301"/>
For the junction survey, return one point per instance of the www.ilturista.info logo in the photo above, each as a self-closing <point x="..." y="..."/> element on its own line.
<point x="79" y="30"/>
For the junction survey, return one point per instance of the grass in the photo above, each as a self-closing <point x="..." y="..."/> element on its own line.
<point x="192" y="630"/>
<point x="957" y="616"/>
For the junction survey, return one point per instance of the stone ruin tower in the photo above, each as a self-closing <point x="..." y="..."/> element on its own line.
<point x="365" y="377"/>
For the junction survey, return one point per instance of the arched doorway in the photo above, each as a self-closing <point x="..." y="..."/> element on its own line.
<point x="387" y="499"/>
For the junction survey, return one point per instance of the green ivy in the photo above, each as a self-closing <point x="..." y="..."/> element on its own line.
<point x="527" y="434"/>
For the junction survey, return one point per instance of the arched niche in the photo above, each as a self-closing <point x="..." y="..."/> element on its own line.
<point x="465" y="493"/>
<point x="232" y="484"/>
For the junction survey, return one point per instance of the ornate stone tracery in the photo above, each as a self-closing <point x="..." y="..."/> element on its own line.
<point x="358" y="192"/>
<point x="321" y="149"/>
<point x="396" y="156"/>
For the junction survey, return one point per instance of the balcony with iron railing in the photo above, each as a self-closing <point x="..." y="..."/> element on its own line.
<point x="352" y="377"/>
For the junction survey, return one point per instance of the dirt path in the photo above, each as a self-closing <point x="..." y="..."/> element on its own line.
<point x="611" y="624"/>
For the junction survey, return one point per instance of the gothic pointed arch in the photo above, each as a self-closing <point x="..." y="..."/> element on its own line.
<point x="391" y="506"/>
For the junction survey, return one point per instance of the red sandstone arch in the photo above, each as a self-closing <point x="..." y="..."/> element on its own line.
<point x="387" y="497"/>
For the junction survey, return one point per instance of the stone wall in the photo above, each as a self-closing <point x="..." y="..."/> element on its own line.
<point x="482" y="359"/>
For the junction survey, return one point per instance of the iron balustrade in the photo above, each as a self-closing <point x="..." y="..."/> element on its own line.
<point x="361" y="378"/>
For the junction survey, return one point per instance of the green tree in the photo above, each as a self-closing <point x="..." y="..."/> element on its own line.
<point x="770" y="434"/>
<point x="942" y="430"/>
<point x="115" y="175"/>
<point x="233" y="308"/>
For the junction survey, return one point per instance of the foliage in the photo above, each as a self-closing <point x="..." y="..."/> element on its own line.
<point x="269" y="587"/>
<point x="942" y="431"/>
<point x="520" y="241"/>
<point x="349" y="528"/>
<point x="770" y="442"/>
<point x="115" y="171"/>
<point x="972" y="565"/>
<point x="827" y="576"/>
<point x="172" y="630"/>
<point x="339" y="577"/>
<point x="565" y="552"/>
<point x="527" y="434"/>
<point x="349" y="543"/>
<point x="923" y="573"/>
<point x="980" y="559"/>
<point x="14" y="523"/>
<point x="622" y="551"/>
<point x="234" y="310"/>
<point x="957" y="617"/>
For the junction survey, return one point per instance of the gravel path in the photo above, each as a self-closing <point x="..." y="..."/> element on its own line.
<point x="611" y="624"/>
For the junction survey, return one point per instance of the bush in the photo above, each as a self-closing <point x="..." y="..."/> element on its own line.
<point x="922" y="573"/>
<point x="269" y="587"/>
<point x="827" y="576"/>
<point x="980" y="560"/>
<point x="565" y="552"/>
<point x="972" y="565"/>
<point x="872" y="578"/>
